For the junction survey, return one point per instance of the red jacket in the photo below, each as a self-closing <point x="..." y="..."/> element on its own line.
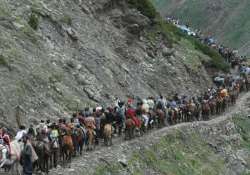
<point x="130" y="113"/>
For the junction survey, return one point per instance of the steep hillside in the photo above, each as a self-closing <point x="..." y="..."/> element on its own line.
<point x="226" y="19"/>
<point x="60" y="56"/>
<point x="217" y="147"/>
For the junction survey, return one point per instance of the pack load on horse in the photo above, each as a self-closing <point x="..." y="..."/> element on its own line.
<point x="224" y="93"/>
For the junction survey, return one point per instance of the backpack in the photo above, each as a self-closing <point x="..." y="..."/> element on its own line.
<point x="159" y="105"/>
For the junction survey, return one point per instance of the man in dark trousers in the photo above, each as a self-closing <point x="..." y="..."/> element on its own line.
<point x="26" y="156"/>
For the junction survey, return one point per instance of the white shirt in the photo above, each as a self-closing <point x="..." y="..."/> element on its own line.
<point x="20" y="134"/>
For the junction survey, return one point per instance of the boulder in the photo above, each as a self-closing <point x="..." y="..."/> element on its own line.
<point x="167" y="52"/>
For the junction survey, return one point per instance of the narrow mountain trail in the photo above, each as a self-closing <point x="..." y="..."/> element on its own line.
<point x="121" y="150"/>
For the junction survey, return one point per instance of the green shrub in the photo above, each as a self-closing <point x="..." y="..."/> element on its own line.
<point x="145" y="7"/>
<point x="4" y="62"/>
<point x="66" y="19"/>
<point x="33" y="21"/>
<point x="217" y="60"/>
<point x="170" y="32"/>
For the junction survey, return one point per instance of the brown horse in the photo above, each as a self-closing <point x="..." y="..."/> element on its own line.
<point x="205" y="110"/>
<point x="191" y="110"/>
<point x="90" y="139"/>
<point x="129" y="130"/>
<point x="67" y="148"/>
<point x="174" y="115"/>
<point x="43" y="151"/>
<point x="80" y="140"/>
<point x="212" y="105"/>
<point x="219" y="105"/>
<point x="233" y="96"/>
<point x="197" y="113"/>
<point x="107" y="132"/>
<point x="160" y="117"/>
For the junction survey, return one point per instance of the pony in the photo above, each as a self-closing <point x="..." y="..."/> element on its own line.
<point x="43" y="151"/>
<point x="174" y="115"/>
<point x="212" y="105"/>
<point x="90" y="139"/>
<point x="107" y="131"/>
<point x="79" y="139"/>
<point x="205" y="110"/>
<point x="67" y="147"/>
<point x="12" y="166"/>
<point x="160" y="117"/>
<point x="129" y="129"/>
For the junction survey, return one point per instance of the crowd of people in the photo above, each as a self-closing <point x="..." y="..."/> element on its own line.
<point x="49" y="143"/>
<point x="231" y="55"/>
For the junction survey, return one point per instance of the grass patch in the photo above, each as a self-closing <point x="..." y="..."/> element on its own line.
<point x="30" y="34"/>
<point x="217" y="61"/>
<point x="243" y="123"/>
<point x="145" y="7"/>
<point x="66" y="19"/>
<point x="168" y="31"/>
<point x="4" y="62"/>
<point x="56" y="77"/>
<point x="174" y="36"/>
<point x="33" y="21"/>
<point x="112" y="169"/>
<point x="179" y="154"/>
<point x="4" y="9"/>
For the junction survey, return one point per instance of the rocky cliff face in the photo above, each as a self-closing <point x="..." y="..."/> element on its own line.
<point x="58" y="56"/>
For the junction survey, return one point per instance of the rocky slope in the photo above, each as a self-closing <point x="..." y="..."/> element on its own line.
<point x="220" y="146"/>
<point x="59" y="56"/>
<point x="226" y="19"/>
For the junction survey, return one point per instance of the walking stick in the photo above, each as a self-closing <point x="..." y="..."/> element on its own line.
<point x="18" y="117"/>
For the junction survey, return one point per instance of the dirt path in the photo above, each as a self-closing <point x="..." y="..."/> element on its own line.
<point x="122" y="149"/>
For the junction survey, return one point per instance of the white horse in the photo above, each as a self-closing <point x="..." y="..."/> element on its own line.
<point x="15" y="155"/>
<point x="11" y="165"/>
